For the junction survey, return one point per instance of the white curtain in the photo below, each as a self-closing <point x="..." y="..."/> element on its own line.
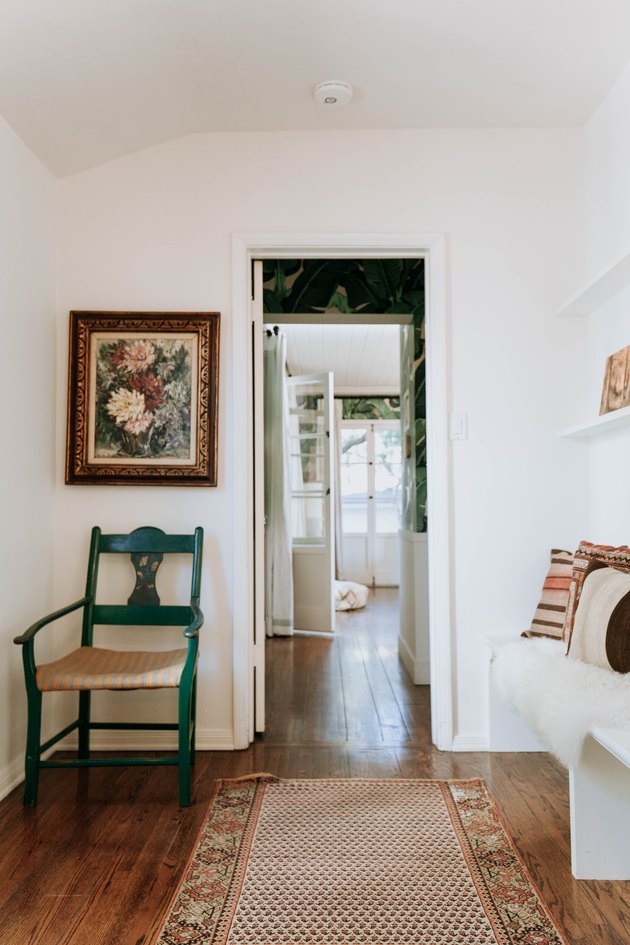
<point x="278" y="537"/>
<point x="338" y="416"/>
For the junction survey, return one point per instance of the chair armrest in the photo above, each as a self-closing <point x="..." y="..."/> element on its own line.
<point x="193" y="629"/>
<point x="28" y="635"/>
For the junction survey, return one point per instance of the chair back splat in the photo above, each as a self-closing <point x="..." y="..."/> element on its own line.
<point x="88" y="667"/>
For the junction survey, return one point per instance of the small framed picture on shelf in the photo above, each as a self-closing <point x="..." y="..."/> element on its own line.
<point x="616" y="389"/>
<point x="142" y="398"/>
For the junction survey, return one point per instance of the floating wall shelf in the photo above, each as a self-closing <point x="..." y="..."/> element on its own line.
<point x="599" y="290"/>
<point x="608" y="421"/>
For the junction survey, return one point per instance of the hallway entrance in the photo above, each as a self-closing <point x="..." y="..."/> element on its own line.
<point x="350" y="690"/>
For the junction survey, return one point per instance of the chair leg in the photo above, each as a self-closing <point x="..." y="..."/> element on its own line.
<point x="84" y="724"/>
<point x="33" y="741"/>
<point x="183" y="753"/>
<point x="193" y="717"/>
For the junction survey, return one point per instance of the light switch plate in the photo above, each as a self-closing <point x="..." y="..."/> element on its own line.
<point x="459" y="426"/>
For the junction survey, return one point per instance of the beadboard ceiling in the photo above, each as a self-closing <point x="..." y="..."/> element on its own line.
<point x="86" y="81"/>
<point x="363" y="358"/>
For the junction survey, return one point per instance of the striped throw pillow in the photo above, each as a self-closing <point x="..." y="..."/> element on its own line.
<point x="618" y="558"/>
<point x="601" y="633"/>
<point x="551" y="612"/>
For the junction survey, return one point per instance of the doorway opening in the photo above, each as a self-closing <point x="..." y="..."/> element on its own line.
<point x="333" y="504"/>
<point x="247" y="502"/>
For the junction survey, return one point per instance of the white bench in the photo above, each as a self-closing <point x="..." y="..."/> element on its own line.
<point x="600" y="806"/>
<point x="540" y="700"/>
<point x="507" y="729"/>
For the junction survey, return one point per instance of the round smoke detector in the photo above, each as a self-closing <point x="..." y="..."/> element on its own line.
<point x="333" y="93"/>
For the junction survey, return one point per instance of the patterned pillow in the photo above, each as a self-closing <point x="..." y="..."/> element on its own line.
<point x="552" y="609"/>
<point x="618" y="558"/>
<point x="601" y="634"/>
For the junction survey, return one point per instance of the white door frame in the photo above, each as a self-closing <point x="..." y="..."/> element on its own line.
<point x="432" y="247"/>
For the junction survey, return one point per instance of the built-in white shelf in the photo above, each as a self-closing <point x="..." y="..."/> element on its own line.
<point x="599" y="290"/>
<point x="608" y="421"/>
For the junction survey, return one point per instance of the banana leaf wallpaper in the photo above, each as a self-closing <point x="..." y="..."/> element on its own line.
<point x="368" y="286"/>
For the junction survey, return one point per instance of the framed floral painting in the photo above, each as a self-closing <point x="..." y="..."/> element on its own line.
<point x="142" y="398"/>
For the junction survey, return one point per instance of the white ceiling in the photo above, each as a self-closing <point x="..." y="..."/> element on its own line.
<point x="363" y="358"/>
<point x="85" y="81"/>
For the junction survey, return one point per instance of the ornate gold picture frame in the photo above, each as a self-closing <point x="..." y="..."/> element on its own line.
<point x="143" y="398"/>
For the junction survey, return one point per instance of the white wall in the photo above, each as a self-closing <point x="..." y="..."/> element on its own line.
<point x="607" y="166"/>
<point x="27" y="381"/>
<point x="152" y="231"/>
<point x="606" y="237"/>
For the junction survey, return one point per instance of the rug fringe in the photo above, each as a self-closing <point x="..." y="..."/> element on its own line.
<point x="257" y="776"/>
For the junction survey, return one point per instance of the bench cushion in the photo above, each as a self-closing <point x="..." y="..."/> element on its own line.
<point x="551" y="612"/>
<point x="586" y="553"/>
<point x="601" y="634"/>
<point x="90" y="667"/>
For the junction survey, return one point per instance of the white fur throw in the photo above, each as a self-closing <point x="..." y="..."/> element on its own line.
<point x="560" y="698"/>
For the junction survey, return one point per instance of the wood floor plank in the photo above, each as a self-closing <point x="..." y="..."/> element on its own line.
<point x="96" y="863"/>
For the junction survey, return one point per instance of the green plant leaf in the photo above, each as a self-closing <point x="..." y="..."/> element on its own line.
<point x="271" y="302"/>
<point x="360" y="295"/>
<point x="413" y="276"/>
<point x="384" y="278"/>
<point x="415" y="300"/>
<point x="339" y="302"/>
<point x="399" y="308"/>
<point x="315" y="285"/>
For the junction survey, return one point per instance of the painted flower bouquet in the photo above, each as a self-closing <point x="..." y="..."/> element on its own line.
<point x="143" y="398"/>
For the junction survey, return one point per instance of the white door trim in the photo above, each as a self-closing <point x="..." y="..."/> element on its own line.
<point x="432" y="247"/>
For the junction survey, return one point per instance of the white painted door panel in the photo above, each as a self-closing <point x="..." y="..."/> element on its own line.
<point x="356" y="563"/>
<point x="386" y="560"/>
<point x="312" y="500"/>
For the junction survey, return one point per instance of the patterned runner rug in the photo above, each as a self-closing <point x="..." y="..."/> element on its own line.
<point x="358" y="862"/>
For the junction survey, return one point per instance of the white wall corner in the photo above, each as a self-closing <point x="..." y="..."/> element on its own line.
<point x="11" y="775"/>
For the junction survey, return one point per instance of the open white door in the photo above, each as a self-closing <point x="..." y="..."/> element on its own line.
<point x="257" y="643"/>
<point x="312" y="501"/>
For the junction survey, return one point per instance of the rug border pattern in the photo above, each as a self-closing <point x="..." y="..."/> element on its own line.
<point x="515" y="907"/>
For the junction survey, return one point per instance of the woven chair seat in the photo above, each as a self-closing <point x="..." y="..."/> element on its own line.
<point x="90" y="667"/>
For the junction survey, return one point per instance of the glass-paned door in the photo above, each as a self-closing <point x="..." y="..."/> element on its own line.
<point x="371" y="500"/>
<point x="354" y="479"/>
<point x="387" y="465"/>
<point x="312" y="505"/>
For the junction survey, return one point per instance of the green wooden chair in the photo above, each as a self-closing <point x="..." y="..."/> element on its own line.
<point x="89" y="667"/>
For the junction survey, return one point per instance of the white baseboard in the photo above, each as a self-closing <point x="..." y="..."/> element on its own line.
<point x="208" y="739"/>
<point x="406" y="656"/>
<point x="470" y="743"/>
<point x="418" y="669"/>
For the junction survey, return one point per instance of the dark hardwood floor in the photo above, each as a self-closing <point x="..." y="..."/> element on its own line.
<point x="98" y="860"/>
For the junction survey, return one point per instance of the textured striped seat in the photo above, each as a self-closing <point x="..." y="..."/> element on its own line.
<point x="93" y="668"/>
